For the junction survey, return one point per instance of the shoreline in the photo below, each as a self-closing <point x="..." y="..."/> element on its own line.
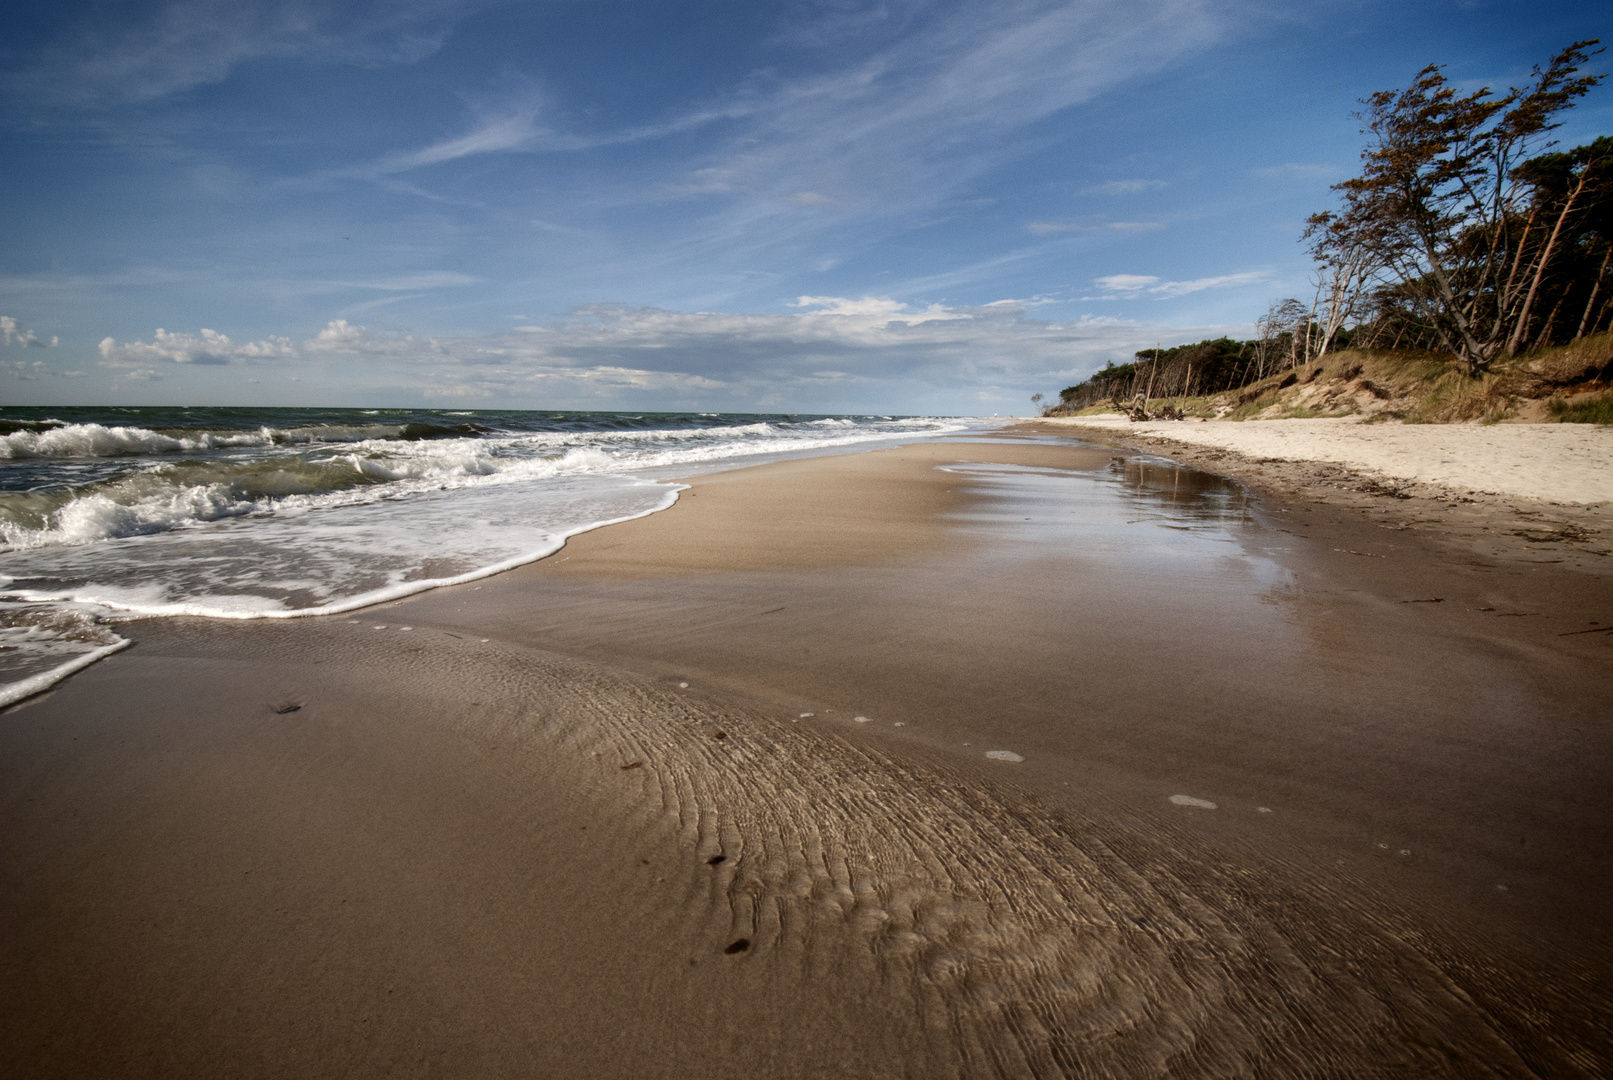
<point x="1507" y="524"/>
<point x="506" y="801"/>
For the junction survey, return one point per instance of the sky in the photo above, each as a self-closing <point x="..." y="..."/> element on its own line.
<point x="797" y="206"/>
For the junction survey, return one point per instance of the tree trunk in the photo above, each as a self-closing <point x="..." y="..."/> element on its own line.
<point x="1595" y="288"/>
<point x="1522" y="325"/>
<point x="1545" y="331"/>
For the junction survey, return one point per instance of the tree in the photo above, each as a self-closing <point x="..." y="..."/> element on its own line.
<point x="1347" y="266"/>
<point x="1571" y="192"/>
<point x="1438" y="212"/>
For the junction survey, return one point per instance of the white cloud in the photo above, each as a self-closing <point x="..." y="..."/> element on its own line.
<point x="912" y="125"/>
<point x="514" y="131"/>
<point x="836" y="354"/>
<point x="881" y="310"/>
<point x="341" y="337"/>
<point x="206" y="347"/>
<point x="1126" y="282"/>
<point x="440" y="279"/>
<point x="1047" y="228"/>
<point x="1136" y="286"/>
<point x="129" y="52"/>
<point x="830" y="354"/>
<point x="1298" y="170"/>
<point x="13" y="333"/>
<point x="1125" y="187"/>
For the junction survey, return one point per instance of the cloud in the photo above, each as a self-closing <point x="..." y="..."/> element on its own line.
<point x="12" y="332"/>
<point x="1137" y="286"/>
<point x="911" y="124"/>
<point x="837" y="353"/>
<point x="441" y="279"/>
<point x="121" y="53"/>
<point x="1298" y="170"/>
<point x="880" y="309"/>
<point x="1048" y="228"/>
<point x="341" y="337"/>
<point x="207" y="347"/>
<point x="1125" y="187"/>
<point x="517" y="130"/>
<point x="1126" y="282"/>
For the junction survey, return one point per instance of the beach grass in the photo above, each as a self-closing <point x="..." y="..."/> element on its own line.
<point x="1589" y="409"/>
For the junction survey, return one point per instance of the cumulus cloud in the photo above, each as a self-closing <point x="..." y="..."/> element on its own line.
<point x="341" y="337"/>
<point x="835" y="354"/>
<point x="13" y="332"/>
<point x="206" y="347"/>
<point x="1138" y="286"/>
<point x="830" y="354"/>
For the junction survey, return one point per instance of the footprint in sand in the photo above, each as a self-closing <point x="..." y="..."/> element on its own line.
<point x="1188" y="800"/>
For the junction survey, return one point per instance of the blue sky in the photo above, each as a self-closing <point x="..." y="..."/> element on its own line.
<point x="809" y="205"/>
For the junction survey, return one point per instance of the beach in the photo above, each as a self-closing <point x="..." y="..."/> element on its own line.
<point x="1032" y="753"/>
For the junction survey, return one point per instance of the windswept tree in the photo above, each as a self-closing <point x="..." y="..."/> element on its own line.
<point x="1570" y="216"/>
<point x="1347" y="266"/>
<point x="1440" y="214"/>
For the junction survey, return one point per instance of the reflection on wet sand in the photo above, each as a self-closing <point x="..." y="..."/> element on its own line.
<point x="1047" y="773"/>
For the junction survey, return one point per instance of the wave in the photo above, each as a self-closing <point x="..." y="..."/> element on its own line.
<point x="304" y="512"/>
<point x="186" y="493"/>
<point x="43" y="439"/>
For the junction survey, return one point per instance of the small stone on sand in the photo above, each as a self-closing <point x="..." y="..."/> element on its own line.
<point x="1188" y="800"/>
<point x="863" y="719"/>
<point x="1003" y="755"/>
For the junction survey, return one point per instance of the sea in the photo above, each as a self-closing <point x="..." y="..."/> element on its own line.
<point x="112" y="514"/>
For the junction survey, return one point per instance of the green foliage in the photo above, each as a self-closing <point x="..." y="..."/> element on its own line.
<point x="1469" y="245"/>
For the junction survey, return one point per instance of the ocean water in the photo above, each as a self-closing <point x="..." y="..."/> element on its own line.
<point x="116" y="513"/>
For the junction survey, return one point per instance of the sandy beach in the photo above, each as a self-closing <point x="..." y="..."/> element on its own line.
<point x="1020" y="756"/>
<point x="1555" y="463"/>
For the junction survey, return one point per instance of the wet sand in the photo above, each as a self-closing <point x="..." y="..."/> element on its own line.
<point x="604" y="841"/>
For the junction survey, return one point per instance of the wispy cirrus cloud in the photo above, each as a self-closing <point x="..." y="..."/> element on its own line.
<point x="903" y="128"/>
<point x="1080" y="225"/>
<point x="430" y="279"/>
<point x="133" y="53"/>
<point x="1300" y="170"/>
<point x="1125" y="187"/>
<point x="1140" y="286"/>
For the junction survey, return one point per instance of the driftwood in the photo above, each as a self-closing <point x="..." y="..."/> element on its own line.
<point x="1138" y="411"/>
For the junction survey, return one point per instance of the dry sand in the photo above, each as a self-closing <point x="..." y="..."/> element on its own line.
<point x="1559" y="463"/>
<point x="572" y="821"/>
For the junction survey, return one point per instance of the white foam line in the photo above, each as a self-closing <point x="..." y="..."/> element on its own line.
<point x="27" y="688"/>
<point x="369" y="599"/>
